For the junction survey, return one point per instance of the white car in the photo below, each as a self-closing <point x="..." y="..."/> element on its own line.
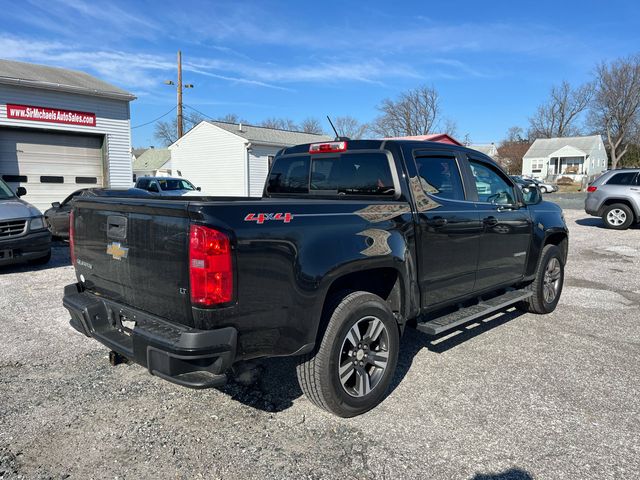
<point x="544" y="186"/>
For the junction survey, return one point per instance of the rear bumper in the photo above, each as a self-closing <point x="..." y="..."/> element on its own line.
<point x="27" y="247"/>
<point x="592" y="205"/>
<point x="186" y="356"/>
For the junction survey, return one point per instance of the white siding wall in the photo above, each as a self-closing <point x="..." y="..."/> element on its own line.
<point x="213" y="159"/>
<point x="112" y="120"/>
<point x="259" y="167"/>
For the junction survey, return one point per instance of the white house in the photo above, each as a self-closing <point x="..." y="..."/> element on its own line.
<point x="573" y="157"/>
<point x="154" y="162"/>
<point x="231" y="159"/>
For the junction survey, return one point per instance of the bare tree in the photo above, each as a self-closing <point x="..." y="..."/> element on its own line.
<point x="167" y="132"/>
<point x="350" y="127"/>
<point x="231" y="118"/>
<point x="616" y="106"/>
<point x="280" y="123"/>
<point x="559" y="115"/>
<point x="311" y="125"/>
<point x="514" y="134"/>
<point x="415" y="112"/>
<point x="512" y="150"/>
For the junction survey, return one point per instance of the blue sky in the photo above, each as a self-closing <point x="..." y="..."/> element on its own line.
<point x="492" y="62"/>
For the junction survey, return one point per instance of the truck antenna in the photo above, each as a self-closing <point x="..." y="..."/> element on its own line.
<point x="338" y="137"/>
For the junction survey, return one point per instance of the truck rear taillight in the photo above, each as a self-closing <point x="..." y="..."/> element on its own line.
<point x="329" y="147"/>
<point x="210" y="266"/>
<point x="72" y="240"/>
<point x="592" y="189"/>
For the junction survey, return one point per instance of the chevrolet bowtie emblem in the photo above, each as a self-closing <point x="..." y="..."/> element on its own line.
<point x="117" y="251"/>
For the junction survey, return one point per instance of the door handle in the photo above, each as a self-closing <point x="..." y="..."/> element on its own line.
<point x="437" y="222"/>
<point x="490" y="221"/>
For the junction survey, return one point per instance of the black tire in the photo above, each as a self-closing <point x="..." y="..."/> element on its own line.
<point x="543" y="189"/>
<point x="42" y="260"/>
<point x="539" y="302"/>
<point x="617" y="216"/>
<point x="319" y="372"/>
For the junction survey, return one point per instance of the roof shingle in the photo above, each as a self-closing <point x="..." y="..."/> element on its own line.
<point x="270" y="136"/>
<point x="55" y="78"/>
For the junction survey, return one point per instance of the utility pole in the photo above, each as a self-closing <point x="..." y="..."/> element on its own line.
<point x="179" y="86"/>
<point x="179" y="111"/>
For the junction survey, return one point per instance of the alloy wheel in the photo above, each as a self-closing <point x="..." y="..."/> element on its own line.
<point x="364" y="356"/>
<point x="551" y="282"/>
<point x="616" y="217"/>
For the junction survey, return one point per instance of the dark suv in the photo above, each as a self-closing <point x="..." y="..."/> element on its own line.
<point x="23" y="234"/>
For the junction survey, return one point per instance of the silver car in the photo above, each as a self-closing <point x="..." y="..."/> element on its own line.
<point x="615" y="196"/>
<point x="23" y="234"/>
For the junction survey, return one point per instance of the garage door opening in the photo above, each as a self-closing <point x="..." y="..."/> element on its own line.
<point x="50" y="165"/>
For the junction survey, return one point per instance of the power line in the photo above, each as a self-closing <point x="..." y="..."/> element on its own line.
<point x="155" y="120"/>
<point x="198" y="111"/>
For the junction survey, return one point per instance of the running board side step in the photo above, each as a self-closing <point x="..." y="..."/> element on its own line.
<point x="467" y="314"/>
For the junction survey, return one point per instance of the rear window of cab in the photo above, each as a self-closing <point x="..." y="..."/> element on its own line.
<point x="335" y="174"/>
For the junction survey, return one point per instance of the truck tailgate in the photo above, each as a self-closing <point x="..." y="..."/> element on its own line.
<point x="135" y="253"/>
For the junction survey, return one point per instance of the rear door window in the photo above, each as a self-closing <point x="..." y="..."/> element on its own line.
<point x="625" y="178"/>
<point x="440" y="176"/>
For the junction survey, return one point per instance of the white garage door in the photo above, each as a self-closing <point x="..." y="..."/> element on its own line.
<point x="50" y="165"/>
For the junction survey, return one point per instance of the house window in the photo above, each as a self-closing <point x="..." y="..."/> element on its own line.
<point x="537" y="165"/>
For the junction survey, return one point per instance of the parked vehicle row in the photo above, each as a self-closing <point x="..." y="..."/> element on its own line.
<point x="351" y="242"/>
<point x="545" y="187"/>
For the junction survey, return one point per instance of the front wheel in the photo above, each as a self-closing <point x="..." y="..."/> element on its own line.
<point x="543" y="189"/>
<point x="547" y="286"/>
<point x="351" y="369"/>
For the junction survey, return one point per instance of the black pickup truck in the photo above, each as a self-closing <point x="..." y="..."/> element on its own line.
<point x="351" y="242"/>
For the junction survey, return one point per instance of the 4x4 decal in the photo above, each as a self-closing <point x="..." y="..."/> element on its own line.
<point x="260" y="218"/>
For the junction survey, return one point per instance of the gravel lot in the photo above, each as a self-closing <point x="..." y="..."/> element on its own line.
<point x="517" y="397"/>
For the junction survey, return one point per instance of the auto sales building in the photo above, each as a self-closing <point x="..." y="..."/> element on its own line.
<point x="61" y="130"/>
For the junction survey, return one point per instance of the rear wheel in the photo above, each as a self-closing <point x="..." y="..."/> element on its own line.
<point x="543" y="189"/>
<point x="350" y="371"/>
<point x="547" y="286"/>
<point x="617" y="216"/>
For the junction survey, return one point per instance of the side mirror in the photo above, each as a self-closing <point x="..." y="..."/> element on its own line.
<point x="55" y="204"/>
<point x="154" y="188"/>
<point x="21" y="191"/>
<point x="532" y="194"/>
<point x="198" y="189"/>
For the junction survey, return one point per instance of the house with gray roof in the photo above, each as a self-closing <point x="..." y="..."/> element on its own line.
<point x="153" y="162"/>
<point x="232" y="159"/>
<point x="574" y="157"/>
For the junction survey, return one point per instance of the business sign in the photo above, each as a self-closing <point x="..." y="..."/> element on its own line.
<point x="50" y="115"/>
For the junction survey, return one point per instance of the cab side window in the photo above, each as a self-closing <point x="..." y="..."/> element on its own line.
<point x="492" y="187"/>
<point x="439" y="175"/>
